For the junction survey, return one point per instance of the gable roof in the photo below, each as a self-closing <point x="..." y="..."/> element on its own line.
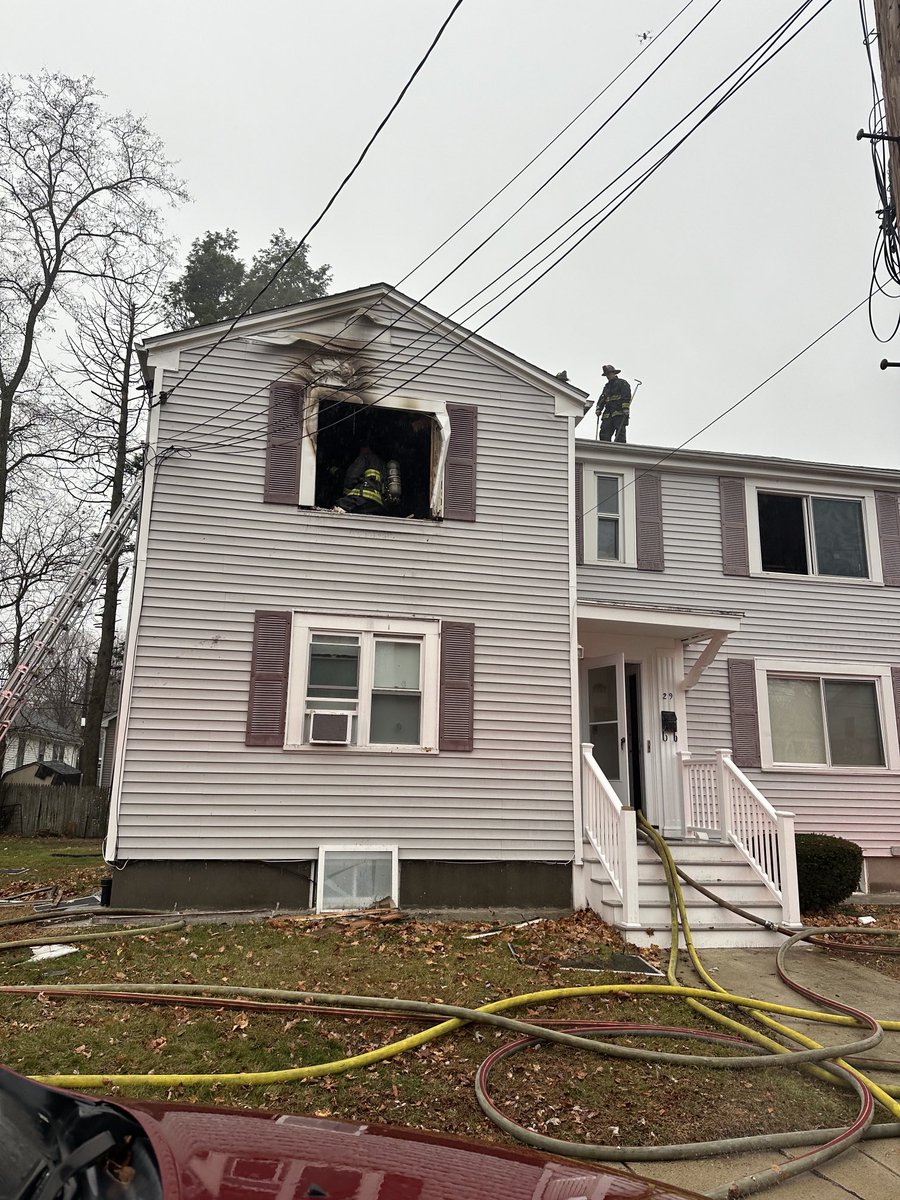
<point x="30" y="720"/>
<point x="310" y="311"/>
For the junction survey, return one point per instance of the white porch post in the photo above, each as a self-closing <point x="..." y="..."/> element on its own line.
<point x="631" y="904"/>
<point x="722" y="804"/>
<point x="787" y="859"/>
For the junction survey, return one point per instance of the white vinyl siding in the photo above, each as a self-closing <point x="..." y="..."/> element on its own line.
<point x="192" y="789"/>
<point x="813" y="620"/>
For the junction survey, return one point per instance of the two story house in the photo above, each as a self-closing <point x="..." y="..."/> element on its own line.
<point x="465" y="698"/>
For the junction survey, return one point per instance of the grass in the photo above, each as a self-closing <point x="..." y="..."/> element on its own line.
<point x="563" y="1092"/>
<point x="559" y="1091"/>
<point x="74" y="863"/>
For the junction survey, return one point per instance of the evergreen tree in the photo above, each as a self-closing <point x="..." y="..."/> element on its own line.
<point x="216" y="285"/>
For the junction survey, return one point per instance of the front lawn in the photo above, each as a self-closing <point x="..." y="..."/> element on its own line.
<point x="560" y="1091"/>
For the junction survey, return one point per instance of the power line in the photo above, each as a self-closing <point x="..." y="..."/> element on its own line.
<point x="543" y="150"/>
<point x="400" y="316"/>
<point x="596" y="223"/>
<point x="421" y="63"/>
<point x="887" y="241"/>
<point x="628" y="191"/>
<point x="725" y="412"/>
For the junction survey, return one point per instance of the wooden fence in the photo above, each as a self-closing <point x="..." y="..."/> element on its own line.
<point x="32" y="810"/>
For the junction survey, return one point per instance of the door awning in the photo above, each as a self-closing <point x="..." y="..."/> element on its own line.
<point x="685" y="624"/>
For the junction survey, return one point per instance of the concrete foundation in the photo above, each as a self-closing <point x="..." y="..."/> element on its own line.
<point x="424" y="884"/>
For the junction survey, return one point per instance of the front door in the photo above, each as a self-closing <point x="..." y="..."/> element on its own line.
<point x="608" y="721"/>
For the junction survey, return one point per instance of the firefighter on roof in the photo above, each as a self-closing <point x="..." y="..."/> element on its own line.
<point x="613" y="406"/>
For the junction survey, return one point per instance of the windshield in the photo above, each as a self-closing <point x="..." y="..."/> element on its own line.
<point x="57" y="1146"/>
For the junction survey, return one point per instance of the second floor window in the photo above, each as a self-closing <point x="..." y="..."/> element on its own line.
<point x="812" y="535"/>
<point x="609" y="518"/>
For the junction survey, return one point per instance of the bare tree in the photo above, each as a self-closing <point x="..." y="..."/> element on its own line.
<point x="106" y="406"/>
<point x="45" y="540"/>
<point x="78" y="188"/>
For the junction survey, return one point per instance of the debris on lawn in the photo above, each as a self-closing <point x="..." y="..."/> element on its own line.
<point x="26" y="897"/>
<point x="56" y="950"/>
<point x="91" y="901"/>
<point x="471" y="937"/>
<point x="614" y="964"/>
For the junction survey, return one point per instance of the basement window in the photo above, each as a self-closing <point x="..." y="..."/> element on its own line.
<point x="356" y="877"/>
<point x="402" y="440"/>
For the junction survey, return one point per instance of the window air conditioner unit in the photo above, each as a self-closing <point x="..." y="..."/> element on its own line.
<point x="330" y="728"/>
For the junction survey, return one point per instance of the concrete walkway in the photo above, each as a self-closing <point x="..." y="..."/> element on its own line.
<point x="868" y="1171"/>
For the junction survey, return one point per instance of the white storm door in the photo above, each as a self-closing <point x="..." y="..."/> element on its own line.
<point x="607" y="722"/>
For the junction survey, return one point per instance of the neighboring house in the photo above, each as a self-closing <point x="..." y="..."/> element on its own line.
<point x="46" y="772"/>
<point x="753" y="605"/>
<point x="35" y="738"/>
<point x="334" y="708"/>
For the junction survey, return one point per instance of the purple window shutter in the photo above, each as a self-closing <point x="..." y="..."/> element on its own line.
<point x="648" y="521"/>
<point x="579" y="512"/>
<point x="733" y="509"/>
<point x="282" y="483"/>
<point x="457" y="718"/>
<point x="268" y="679"/>
<point x="744" y="712"/>
<point x="887" y="505"/>
<point x="462" y="455"/>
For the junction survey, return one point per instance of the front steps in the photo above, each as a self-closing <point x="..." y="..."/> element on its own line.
<point x="717" y="866"/>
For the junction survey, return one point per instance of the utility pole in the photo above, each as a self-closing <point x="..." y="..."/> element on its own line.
<point x="887" y="22"/>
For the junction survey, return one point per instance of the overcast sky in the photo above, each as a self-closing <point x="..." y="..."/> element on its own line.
<point x="753" y="239"/>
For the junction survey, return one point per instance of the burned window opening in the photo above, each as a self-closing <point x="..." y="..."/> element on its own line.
<point x="393" y="436"/>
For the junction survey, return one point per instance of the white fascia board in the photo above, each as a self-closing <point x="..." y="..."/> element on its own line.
<point x="685" y="623"/>
<point x="569" y="399"/>
<point x="308" y="312"/>
<point x="139" y="571"/>
<point x="719" y="462"/>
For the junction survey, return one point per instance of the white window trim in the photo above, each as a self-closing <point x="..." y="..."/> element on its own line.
<point x="627" y="525"/>
<point x="308" y="445"/>
<point x="877" y="673"/>
<point x="357" y="848"/>
<point x="427" y="632"/>
<point x="870" y="527"/>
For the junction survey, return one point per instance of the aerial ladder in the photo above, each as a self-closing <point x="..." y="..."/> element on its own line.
<point x="80" y="590"/>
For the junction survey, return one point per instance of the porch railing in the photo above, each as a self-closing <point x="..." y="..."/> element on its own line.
<point x="611" y="828"/>
<point x="721" y="802"/>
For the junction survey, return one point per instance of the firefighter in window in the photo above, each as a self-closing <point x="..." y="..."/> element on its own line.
<point x="369" y="485"/>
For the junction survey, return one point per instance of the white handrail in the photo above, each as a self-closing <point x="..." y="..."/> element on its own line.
<point x="721" y="800"/>
<point x="611" y="828"/>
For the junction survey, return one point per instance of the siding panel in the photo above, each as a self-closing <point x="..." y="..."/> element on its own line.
<point x="217" y="553"/>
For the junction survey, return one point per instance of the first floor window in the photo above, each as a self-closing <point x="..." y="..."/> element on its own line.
<point x="364" y="683"/>
<point x="832" y="722"/>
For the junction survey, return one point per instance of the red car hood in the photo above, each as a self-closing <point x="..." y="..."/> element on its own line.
<point x="230" y="1154"/>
